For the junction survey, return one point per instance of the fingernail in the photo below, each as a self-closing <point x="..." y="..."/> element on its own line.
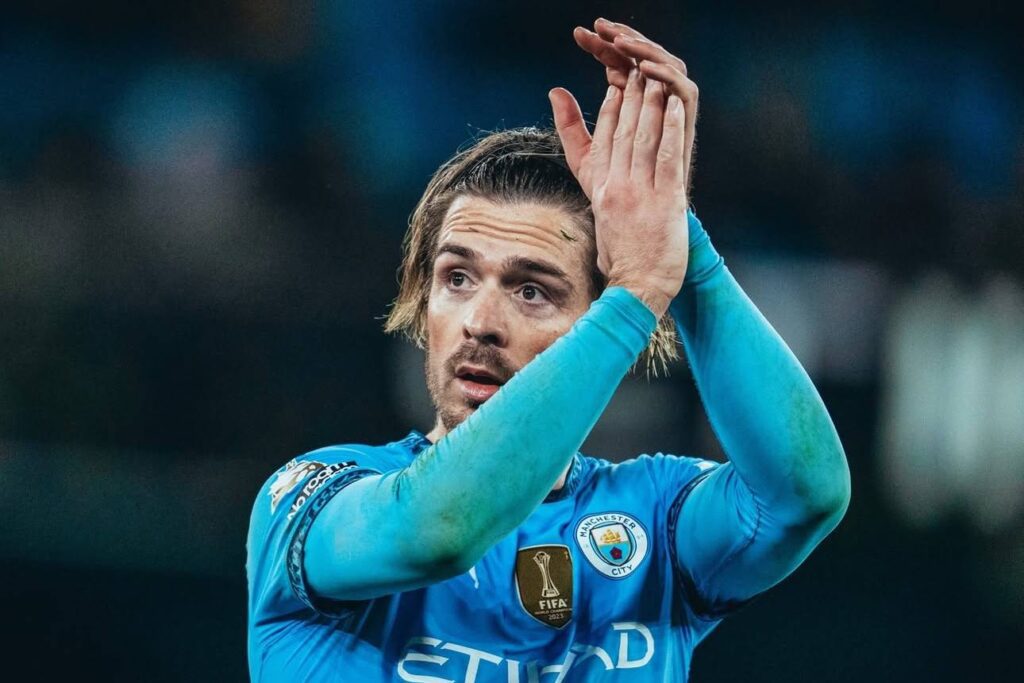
<point x="674" y="104"/>
<point x="633" y="75"/>
<point x="625" y="38"/>
<point x="612" y="90"/>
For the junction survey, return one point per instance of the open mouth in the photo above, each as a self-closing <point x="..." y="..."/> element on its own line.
<point x="477" y="384"/>
<point x="478" y="378"/>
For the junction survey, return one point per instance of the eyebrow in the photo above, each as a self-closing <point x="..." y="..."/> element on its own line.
<point x="518" y="264"/>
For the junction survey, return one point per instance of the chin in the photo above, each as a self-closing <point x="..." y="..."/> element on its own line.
<point x="453" y="416"/>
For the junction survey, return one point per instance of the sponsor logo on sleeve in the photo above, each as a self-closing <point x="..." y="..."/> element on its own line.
<point x="297" y="471"/>
<point x="290" y="477"/>
<point x="614" y="543"/>
<point x="316" y="482"/>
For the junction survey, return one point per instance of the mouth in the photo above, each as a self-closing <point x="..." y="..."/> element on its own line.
<point x="477" y="384"/>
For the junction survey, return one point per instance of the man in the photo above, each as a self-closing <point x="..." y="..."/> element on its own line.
<point x="489" y="549"/>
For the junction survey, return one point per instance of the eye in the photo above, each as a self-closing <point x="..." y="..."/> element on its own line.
<point x="533" y="293"/>
<point x="456" y="279"/>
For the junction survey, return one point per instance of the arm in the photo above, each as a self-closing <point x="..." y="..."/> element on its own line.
<point x="437" y="517"/>
<point x="746" y="525"/>
<point x="751" y="522"/>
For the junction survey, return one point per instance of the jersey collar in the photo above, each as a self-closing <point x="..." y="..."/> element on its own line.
<point x="572" y="481"/>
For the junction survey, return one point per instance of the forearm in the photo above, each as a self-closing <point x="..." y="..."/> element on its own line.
<point x="764" y="409"/>
<point x="486" y="476"/>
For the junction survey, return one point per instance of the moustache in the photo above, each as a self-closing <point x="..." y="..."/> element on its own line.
<point x="484" y="356"/>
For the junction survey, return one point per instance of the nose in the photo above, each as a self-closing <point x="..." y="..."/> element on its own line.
<point x="485" y="320"/>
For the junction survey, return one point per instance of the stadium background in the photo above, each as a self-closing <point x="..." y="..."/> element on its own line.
<point x="201" y="208"/>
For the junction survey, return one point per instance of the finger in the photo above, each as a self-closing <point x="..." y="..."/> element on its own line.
<point x="631" y="38"/>
<point x="604" y="134"/>
<point x="608" y="29"/>
<point x="672" y="77"/>
<point x="641" y="48"/>
<point x="625" y="131"/>
<point x="616" y="77"/>
<point x="572" y="130"/>
<point x="683" y="88"/>
<point x="603" y="51"/>
<point x="670" y="169"/>
<point x="648" y="132"/>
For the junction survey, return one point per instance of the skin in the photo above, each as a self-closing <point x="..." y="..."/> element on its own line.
<point x="487" y="309"/>
<point x="621" y="49"/>
<point x="431" y="526"/>
<point x="488" y="306"/>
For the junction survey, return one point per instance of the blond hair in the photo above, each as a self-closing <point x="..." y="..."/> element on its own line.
<point x="517" y="165"/>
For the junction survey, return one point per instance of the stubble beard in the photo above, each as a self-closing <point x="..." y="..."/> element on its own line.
<point x="453" y="409"/>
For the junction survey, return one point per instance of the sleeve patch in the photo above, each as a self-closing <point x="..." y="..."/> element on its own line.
<point x="296" y="472"/>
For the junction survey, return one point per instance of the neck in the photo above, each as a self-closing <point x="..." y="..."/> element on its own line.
<point x="439" y="431"/>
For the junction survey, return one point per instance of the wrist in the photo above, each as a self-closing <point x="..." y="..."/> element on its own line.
<point x="653" y="297"/>
<point x="704" y="260"/>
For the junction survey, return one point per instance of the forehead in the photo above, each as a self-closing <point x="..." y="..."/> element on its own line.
<point x="500" y="229"/>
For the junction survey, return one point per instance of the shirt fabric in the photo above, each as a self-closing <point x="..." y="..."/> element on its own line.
<point x="587" y="588"/>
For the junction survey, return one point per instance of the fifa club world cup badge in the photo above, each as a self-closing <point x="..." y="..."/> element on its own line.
<point x="614" y="543"/>
<point x="544" y="583"/>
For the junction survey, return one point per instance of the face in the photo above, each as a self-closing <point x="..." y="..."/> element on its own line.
<point x="508" y="280"/>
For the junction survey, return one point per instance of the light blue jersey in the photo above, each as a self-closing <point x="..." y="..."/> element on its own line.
<point x="583" y="590"/>
<point x="617" y="576"/>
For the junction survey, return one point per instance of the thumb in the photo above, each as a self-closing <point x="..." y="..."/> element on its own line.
<point x="572" y="129"/>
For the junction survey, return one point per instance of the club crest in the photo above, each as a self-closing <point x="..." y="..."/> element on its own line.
<point x="614" y="543"/>
<point x="544" y="583"/>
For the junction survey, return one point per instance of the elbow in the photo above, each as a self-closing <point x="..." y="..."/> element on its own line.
<point x="444" y="564"/>
<point x="445" y="551"/>
<point x="438" y="540"/>
<point x="832" y="507"/>
<point x="443" y="561"/>
<point x="824" y="493"/>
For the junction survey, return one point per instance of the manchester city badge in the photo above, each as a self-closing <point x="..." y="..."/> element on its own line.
<point x="614" y="543"/>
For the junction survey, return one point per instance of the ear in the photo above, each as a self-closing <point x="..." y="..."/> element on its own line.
<point x="572" y="129"/>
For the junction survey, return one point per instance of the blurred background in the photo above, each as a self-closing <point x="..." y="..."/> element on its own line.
<point x="201" y="212"/>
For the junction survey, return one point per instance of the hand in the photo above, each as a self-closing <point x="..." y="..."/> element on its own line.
<point x="635" y="170"/>
<point x="621" y="48"/>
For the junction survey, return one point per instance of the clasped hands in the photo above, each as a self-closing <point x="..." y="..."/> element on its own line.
<point x="635" y="168"/>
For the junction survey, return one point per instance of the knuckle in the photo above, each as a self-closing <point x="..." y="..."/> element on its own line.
<point x="616" y="195"/>
<point x="606" y="199"/>
<point x="622" y="134"/>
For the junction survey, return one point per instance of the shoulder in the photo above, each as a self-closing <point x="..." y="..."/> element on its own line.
<point x="665" y="472"/>
<point x="383" y="457"/>
<point x="306" y="474"/>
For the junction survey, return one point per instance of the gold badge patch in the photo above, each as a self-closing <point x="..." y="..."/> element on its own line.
<point x="544" y="583"/>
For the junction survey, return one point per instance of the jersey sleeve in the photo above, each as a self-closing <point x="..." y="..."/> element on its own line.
<point x="725" y="525"/>
<point x="284" y="510"/>
<point x="712" y="520"/>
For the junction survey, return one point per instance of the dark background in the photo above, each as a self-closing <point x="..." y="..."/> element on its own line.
<point x="201" y="211"/>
